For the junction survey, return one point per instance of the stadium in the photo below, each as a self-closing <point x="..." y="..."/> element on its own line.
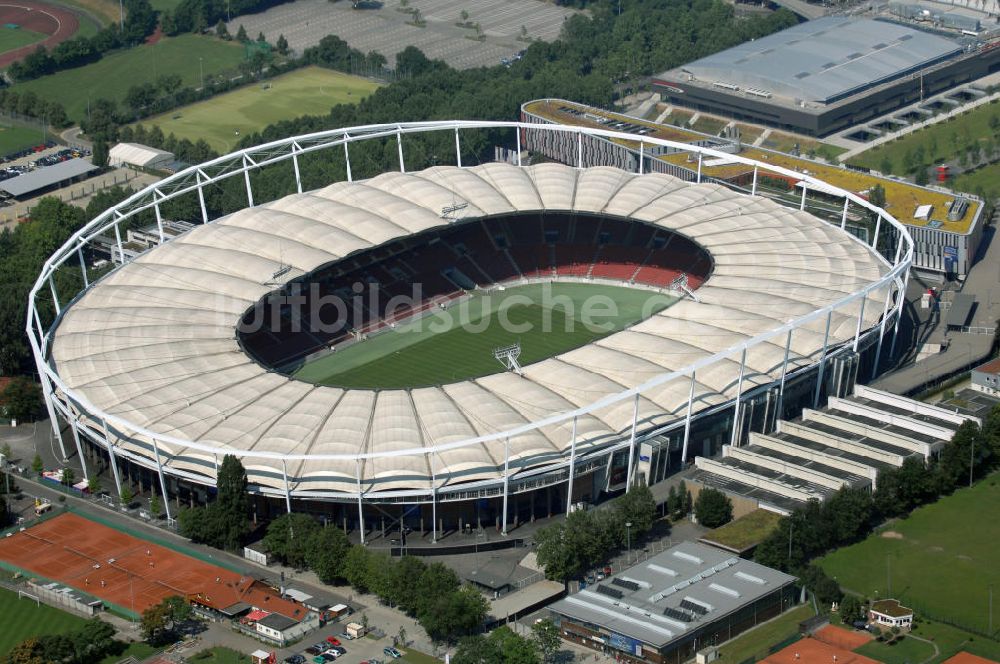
<point x="459" y="344"/>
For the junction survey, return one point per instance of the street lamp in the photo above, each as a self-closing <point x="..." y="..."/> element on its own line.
<point x="628" y="539"/>
<point x="201" y="71"/>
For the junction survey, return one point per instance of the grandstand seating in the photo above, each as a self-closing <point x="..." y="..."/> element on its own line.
<point x="484" y="253"/>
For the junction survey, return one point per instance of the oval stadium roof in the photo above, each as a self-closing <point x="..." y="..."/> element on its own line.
<point x="154" y="341"/>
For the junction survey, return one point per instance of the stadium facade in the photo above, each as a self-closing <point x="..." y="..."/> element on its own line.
<point x="828" y="74"/>
<point x="148" y="369"/>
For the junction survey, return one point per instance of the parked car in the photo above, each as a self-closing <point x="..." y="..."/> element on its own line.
<point x="329" y="656"/>
<point x="316" y="649"/>
<point x="392" y="652"/>
<point x="345" y="636"/>
<point x="333" y="640"/>
<point x="295" y="659"/>
<point x="340" y="650"/>
<point x="318" y="659"/>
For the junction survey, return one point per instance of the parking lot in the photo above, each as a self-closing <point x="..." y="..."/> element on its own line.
<point x="369" y="648"/>
<point x="381" y="27"/>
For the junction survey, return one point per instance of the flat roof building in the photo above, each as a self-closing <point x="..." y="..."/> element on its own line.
<point x="41" y="180"/>
<point x="825" y="75"/>
<point x="673" y="604"/>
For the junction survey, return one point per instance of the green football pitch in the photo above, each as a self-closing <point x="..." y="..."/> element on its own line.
<point x="457" y="343"/>
<point x="307" y="91"/>
<point x="940" y="561"/>
<point x="22" y="618"/>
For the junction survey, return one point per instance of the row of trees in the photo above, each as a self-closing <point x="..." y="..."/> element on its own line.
<point x="432" y="594"/>
<point x="225" y="522"/>
<point x="503" y="646"/>
<point x="851" y="514"/>
<point x="140" y="22"/>
<point x="586" y="538"/>
<point x="160" y="621"/>
<point x="91" y="643"/>
<point x="200" y="15"/>
<point x="30" y="104"/>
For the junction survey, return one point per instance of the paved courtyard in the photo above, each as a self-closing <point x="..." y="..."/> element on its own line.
<point x="382" y="27"/>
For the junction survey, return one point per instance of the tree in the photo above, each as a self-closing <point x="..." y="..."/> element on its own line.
<point x="546" y="636"/>
<point x="6" y="452"/>
<point x="94" y="484"/>
<point x="713" y="508"/>
<point x="401" y="636"/>
<point x="464" y="15"/>
<point x="37" y="465"/>
<point x="282" y="45"/>
<point x="638" y="507"/>
<point x="241" y="35"/>
<point x="826" y="589"/>
<point x="21" y="399"/>
<point x="154" y="623"/>
<point x="155" y="506"/>
<point x="325" y="553"/>
<point x="672" y="501"/>
<point x="126" y="496"/>
<point x="289" y="537"/>
<point x="852" y="609"/>
<point x="68" y="477"/>
<point x="260" y="38"/>
<point x="99" y="156"/>
<point x="222" y="31"/>
<point x="455" y="614"/>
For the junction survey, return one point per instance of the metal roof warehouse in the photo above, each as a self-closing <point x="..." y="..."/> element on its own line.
<point x="41" y="179"/>
<point x="675" y="603"/>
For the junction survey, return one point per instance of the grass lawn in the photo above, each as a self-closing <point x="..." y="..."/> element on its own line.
<point x="14" y="138"/>
<point x="986" y="178"/>
<point x="23" y="618"/>
<point x="942" y="559"/>
<point x="309" y="91"/>
<point x="219" y="656"/>
<point x="112" y="76"/>
<point x="458" y="343"/>
<point x="786" y="142"/>
<point x="757" y="641"/>
<point x="941" y="142"/>
<point x="709" y="125"/>
<point x="138" y="649"/>
<point x="11" y="38"/>
<point x="746" y="531"/>
<point x="907" y="651"/>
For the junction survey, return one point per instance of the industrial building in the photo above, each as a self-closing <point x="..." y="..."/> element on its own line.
<point x="675" y="603"/>
<point x="825" y="75"/>
<point x="946" y="228"/>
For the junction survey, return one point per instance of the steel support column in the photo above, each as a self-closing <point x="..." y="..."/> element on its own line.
<point x="163" y="480"/>
<point x="399" y="149"/>
<point x="802" y="203"/>
<point x="347" y="160"/>
<point x="642" y="151"/>
<point x="159" y="221"/>
<point x="118" y="241"/>
<point x="734" y="441"/>
<point x="881" y="332"/>
<point x="288" y="491"/>
<point x="114" y="460"/>
<point x="298" y="174"/>
<point x="572" y="464"/>
<point x="843" y="217"/>
<point x="83" y="266"/>
<point x="361" y="511"/>
<point x="246" y="179"/>
<point x="506" y="483"/>
<point x="631" y="443"/>
<point x="753" y="185"/>
<point x="79" y="449"/>
<point x="201" y="202"/>
<point x="518" y="134"/>
<point x="579" y="149"/>
<point x="899" y="312"/>
<point x="55" y="296"/>
<point x="779" y="411"/>
<point x="822" y="360"/>
<point x="700" y="155"/>
<point x="861" y="316"/>
<point x="687" y="420"/>
<point x="458" y="150"/>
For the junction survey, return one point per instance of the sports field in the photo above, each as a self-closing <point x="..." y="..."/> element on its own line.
<point x="457" y="344"/>
<point x="14" y="138"/>
<point x="113" y="75"/>
<point x="11" y="38"/>
<point x="22" y="618"/>
<point x="941" y="560"/>
<point x="308" y="91"/>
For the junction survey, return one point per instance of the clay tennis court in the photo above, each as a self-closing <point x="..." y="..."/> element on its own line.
<point x="56" y="22"/>
<point x="127" y="571"/>
<point x="812" y="651"/>
<point x="842" y="638"/>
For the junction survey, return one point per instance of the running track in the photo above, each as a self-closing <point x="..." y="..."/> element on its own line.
<point x="58" y="23"/>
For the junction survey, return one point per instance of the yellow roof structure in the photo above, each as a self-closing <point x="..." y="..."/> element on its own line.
<point x="902" y="198"/>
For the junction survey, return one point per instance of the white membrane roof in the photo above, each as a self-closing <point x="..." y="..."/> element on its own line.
<point x="154" y="342"/>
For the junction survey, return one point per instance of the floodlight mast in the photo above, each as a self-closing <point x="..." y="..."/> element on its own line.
<point x="508" y="356"/>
